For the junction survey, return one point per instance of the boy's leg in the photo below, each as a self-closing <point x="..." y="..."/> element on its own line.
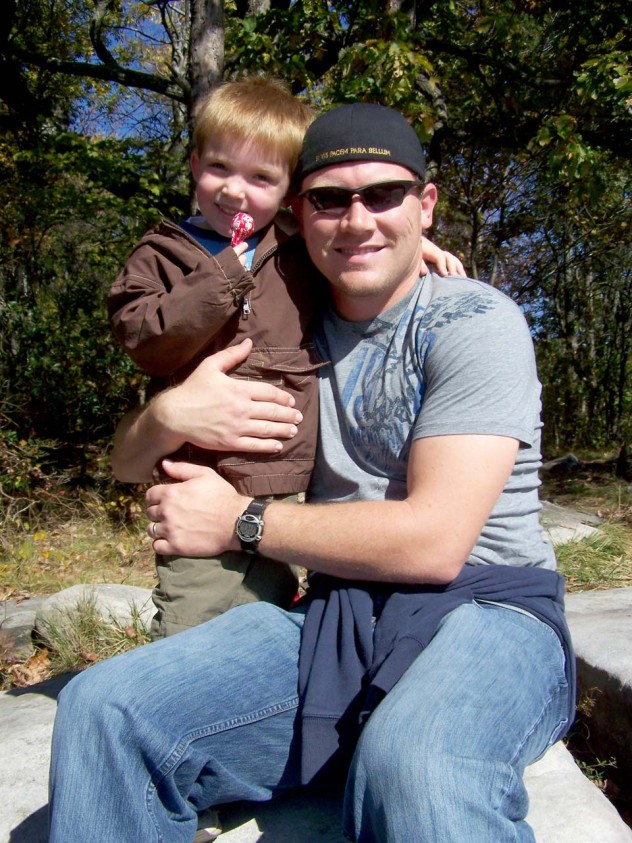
<point x="144" y="741"/>
<point x="442" y="757"/>
<point x="191" y="591"/>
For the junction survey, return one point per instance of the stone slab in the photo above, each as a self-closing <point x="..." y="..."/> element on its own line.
<point x="601" y="627"/>
<point x="26" y="725"/>
<point x="552" y="514"/>
<point x="565" y="806"/>
<point x="561" y="524"/>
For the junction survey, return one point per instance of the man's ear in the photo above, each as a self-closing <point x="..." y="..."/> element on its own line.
<point x="295" y="204"/>
<point x="194" y="163"/>
<point x="428" y="200"/>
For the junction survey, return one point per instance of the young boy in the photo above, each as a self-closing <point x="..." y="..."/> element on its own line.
<point x="185" y="293"/>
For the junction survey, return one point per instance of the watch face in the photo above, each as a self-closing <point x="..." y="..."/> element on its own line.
<point x="248" y="530"/>
<point x="249" y="526"/>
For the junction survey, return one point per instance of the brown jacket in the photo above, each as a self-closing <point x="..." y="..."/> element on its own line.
<point x="174" y="304"/>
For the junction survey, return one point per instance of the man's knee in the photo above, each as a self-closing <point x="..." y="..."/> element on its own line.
<point x="87" y="696"/>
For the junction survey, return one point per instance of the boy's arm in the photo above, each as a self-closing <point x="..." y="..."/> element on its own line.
<point x="171" y="299"/>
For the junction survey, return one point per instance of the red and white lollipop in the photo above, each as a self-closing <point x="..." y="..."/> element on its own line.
<point x="242" y="225"/>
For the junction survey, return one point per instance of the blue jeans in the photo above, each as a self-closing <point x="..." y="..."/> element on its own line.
<point x="144" y="741"/>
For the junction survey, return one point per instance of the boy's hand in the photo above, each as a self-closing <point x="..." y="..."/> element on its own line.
<point x="240" y="250"/>
<point x="445" y="263"/>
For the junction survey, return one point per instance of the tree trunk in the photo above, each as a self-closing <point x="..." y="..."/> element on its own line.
<point x="206" y="51"/>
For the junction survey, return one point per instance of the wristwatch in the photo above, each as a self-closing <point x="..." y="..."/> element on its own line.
<point x="249" y="525"/>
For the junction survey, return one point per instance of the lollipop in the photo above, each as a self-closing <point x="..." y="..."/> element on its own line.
<point x="242" y="225"/>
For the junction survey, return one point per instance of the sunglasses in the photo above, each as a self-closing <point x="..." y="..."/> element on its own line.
<point x="378" y="197"/>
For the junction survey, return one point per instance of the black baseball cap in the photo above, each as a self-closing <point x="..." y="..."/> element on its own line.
<point x="360" y="131"/>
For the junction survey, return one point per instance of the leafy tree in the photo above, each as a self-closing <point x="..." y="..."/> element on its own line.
<point x="72" y="208"/>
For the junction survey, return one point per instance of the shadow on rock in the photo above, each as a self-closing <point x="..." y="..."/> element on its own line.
<point x="50" y="688"/>
<point x="33" y="829"/>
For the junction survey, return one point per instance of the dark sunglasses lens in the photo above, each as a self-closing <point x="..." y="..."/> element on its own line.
<point x="376" y="197"/>
<point x="384" y="197"/>
<point x="329" y="199"/>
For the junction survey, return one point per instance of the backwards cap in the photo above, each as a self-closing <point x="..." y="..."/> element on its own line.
<point x="360" y="132"/>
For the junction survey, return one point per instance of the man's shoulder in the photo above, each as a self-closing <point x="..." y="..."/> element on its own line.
<point x="450" y="298"/>
<point x="455" y="286"/>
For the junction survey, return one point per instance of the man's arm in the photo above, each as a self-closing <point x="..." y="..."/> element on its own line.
<point x="210" y="410"/>
<point x="453" y="483"/>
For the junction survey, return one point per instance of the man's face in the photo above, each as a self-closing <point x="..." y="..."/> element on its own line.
<point x="371" y="258"/>
<point x="232" y="177"/>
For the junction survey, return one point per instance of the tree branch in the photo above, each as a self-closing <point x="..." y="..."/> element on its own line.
<point x="106" y="72"/>
<point x="101" y="9"/>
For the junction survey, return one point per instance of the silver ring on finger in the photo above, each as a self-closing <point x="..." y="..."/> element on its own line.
<point x="154" y="533"/>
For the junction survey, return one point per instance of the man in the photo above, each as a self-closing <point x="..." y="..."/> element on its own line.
<point x="434" y="658"/>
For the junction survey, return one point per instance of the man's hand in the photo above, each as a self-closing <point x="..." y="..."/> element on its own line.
<point x="208" y="409"/>
<point x="196" y="516"/>
<point x="211" y="410"/>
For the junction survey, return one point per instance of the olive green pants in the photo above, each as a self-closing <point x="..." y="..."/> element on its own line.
<point x="193" y="590"/>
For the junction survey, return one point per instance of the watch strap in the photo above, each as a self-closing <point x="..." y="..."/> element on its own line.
<point x="256" y="506"/>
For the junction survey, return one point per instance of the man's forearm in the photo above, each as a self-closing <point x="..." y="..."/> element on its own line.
<point x="454" y="482"/>
<point x="390" y="541"/>
<point x="385" y="541"/>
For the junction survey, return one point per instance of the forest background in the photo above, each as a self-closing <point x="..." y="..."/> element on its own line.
<point x="524" y="108"/>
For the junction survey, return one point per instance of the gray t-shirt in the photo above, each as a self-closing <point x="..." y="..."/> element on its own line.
<point x="454" y="357"/>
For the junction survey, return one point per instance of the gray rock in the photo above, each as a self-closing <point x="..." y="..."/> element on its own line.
<point x="26" y="725"/>
<point x="565" y="807"/>
<point x="561" y="524"/>
<point x="116" y="603"/>
<point x="17" y="621"/>
<point x="561" y="465"/>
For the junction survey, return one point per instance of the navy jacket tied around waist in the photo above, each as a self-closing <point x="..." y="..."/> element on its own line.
<point x="359" y="639"/>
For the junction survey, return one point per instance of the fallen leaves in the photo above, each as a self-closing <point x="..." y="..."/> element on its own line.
<point x="35" y="669"/>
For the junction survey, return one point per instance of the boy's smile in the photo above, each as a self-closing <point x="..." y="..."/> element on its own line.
<point x="238" y="176"/>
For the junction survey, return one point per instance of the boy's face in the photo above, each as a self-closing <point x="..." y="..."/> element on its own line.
<point x="232" y="177"/>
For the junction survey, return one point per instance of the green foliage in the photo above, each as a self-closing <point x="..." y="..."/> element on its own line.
<point x="40" y="477"/>
<point x="73" y="209"/>
<point x="24" y="484"/>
